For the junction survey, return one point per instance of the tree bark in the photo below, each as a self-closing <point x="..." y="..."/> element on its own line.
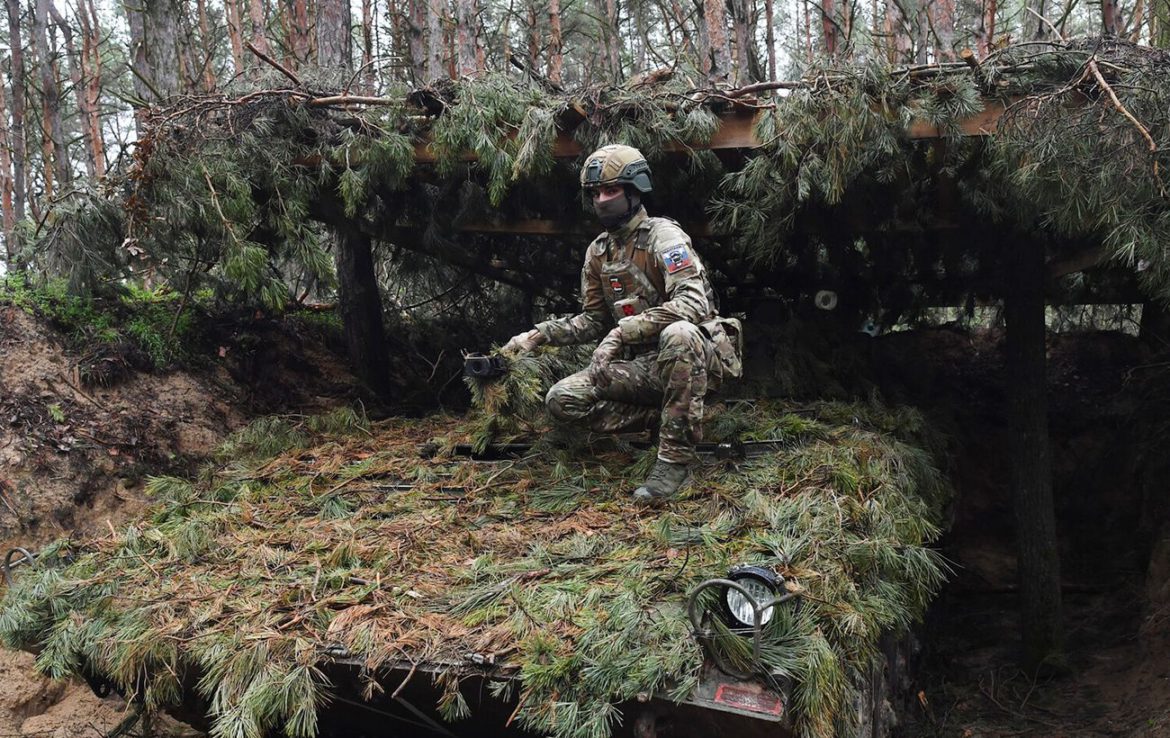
<point x="611" y="39"/>
<point x="368" y="47"/>
<point x="770" y="37"/>
<point x="715" y="17"/>
<point x="1110" y="17"/>
<point x="986" y="32"/>
<point x="466" y="26"/>
<point x="259" y="29"/>
<point x="54" y="130"/>
<point x="91" y="70"/>
<point x="19" y="86"/>
<point x="741" y="24"/>
<point x="1160" y="23"/>
<point x="76" y="66"/>
<point x="416" y="41"/>
<point x="235" y="31"/>
<point x="154" y="48"/>
<point x="829" y="28"/>
<point x="207" y="46"/>
<point x="943" y="23"/>
<point x="1027" y="394"/>
<point x="7" y="211"/>
<point x="361" y="309"/>
<point x="556" y="52"/>
<point x="534" y="44"/>
<point x="434" y="40"/>
<point x="334" y="39"/>
<point x="299" y="32"/>
<point x="1034" y="28"/>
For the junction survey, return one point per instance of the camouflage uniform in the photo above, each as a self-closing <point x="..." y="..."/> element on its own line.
<point x="647" y="279"/>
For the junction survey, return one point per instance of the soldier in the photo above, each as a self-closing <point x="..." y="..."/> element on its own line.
<point x="664" y="347"/>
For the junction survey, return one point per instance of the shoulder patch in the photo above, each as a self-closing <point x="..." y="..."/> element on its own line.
<point x="677" y="258"/>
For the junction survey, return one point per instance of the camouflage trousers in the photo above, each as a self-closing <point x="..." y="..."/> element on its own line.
<point x="667" y="385"/>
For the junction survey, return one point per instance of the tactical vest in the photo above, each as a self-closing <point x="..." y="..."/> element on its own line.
<point x="633" y="281"/>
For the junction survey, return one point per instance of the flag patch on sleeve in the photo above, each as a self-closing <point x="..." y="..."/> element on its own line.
<point x="677" y="259"/>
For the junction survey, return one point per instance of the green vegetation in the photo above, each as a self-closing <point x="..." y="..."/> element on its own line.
<point x="148" y="321"/>
<point x="310" y="537"/>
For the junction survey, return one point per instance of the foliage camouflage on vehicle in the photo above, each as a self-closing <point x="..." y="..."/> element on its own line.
<point x="310" y="534"/>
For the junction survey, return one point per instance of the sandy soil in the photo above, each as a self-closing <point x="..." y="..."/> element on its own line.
<point x="74" y="458"/>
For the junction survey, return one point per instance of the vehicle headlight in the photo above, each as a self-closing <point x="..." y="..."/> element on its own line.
<point x="756" y="587"/>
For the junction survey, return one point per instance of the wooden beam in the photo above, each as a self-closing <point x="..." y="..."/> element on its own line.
<point x="982" y="123"/>
<point x="737" y="131"/>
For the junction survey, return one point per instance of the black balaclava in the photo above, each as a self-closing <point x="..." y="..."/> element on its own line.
<point x="615" y="213"/>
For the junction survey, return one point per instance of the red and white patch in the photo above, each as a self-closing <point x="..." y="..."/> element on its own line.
<point x="677" y="259"/>
<point x="615" y="284"/>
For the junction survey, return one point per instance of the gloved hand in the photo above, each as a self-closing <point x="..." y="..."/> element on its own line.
<point x="608" y="350"/>
<point x="524" y="343"/>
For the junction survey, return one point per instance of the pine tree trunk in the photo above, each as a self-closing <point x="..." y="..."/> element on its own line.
<point x="1110" y="17"/>
<point x="235" y="31"/>
<point x="75" y="64"/>
<point x="259" y="28"/>
<point x="361" y="310"/>
<point x="986" y="33"/>
<point x="465" y="29"/>
<point x="416" y="42"/>
<point x="829" y="27"/>
<point x="715" y="16"/>
<point x="770" y="37"/>
<point x="334" y="39"/>
<point x="922" y="32"/>
<point x="1034" y="28"/>
<point x="299" y="28"/>
<point x="704" y="39"/>
<point x="7" y="211"/>
<point x="556" y="54"/>
<point x="368" y="47"/>
<point x="611" y="39"/>
<point x="1160" y="18"/>
<point x="206" y="45"/>
<point x="19" y="145"/>
<point x="533" y="37"/>
<point x="54" y="130"/>
<point x="91" y="70"/>
<point x="154" y="48"/>
<point x="434" y="40"/>
<point x="740" y="20"/>
<point x="1134" y="29"/>
<point x="808" y="42"/>
<point x="1027" y="394"/>
<point x="943" y="23"/>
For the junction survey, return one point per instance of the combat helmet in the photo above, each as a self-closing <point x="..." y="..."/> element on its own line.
<point x="617" y="164"/>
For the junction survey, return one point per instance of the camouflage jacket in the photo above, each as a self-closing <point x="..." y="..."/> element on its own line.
<point x="642" y="278"/>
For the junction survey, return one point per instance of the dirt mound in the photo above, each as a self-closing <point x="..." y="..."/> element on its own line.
<point x="81" y="429"/>
<point x="72" y="458"/>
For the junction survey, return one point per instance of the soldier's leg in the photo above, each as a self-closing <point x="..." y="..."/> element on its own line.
<point x="631" y="400"/>
<point x="683" y="354"/>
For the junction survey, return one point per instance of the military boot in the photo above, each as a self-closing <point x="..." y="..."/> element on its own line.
<point x="664" y="481"/>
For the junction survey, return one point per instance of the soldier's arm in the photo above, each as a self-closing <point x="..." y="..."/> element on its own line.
<point x="686" y="294"/>
<point x="591" y="323"/>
